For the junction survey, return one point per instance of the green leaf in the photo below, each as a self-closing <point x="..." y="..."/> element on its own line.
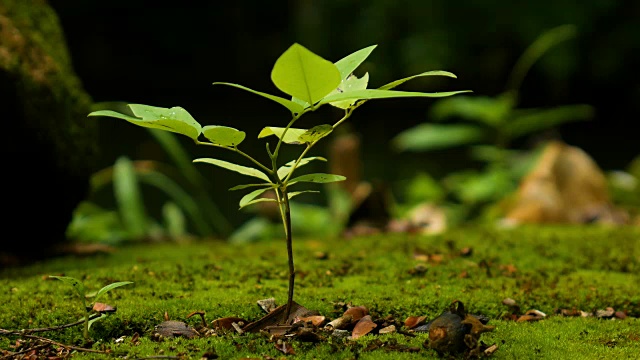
<point x="284" y="170"/>
<point x="296" y="193"/>
<point x="255" y="201"/>
<point x="247" y="199"/>
<point x="393" y="84"/>
<point x="316" y="133"/>
<point x="301" y="73"/>
<point x="291" y="137"/>
<point x="111" y="287"/>
<point x="245" y="186"/>
<point x="317" y="178"/>
<point x="349" y="63"/>
<point x="352" y="83"/>
<point x="102" y="316"/>
<point x="223" y="135"/>
<point x="174" y="220"/>
<point x="482" y="109"/>
<point x="175" y="119"/>
<point x="384" y="94"/>
<point x="244" y="170"/>
<point x="536" y="120"/>
<point x="302" y="103"/>
<point x="426" y="137"/>
<point x="126" y="189"/>
<point x="75" y="283"/>
<point x="294" y="107"/>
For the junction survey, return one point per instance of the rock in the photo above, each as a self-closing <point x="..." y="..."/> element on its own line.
<point x="565" y="186"/>
<point x="49" y="148"/>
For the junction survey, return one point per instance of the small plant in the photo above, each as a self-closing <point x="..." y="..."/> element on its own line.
<point x="81" y="290"/>
<point x="312" y="82"/>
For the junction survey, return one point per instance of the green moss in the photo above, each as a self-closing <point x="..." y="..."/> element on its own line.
<point x="548" y="268"/>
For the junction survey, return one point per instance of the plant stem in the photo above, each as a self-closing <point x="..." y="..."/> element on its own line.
<point x="292" y="272"/>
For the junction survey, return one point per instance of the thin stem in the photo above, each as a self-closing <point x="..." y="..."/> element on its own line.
<point x="292" y="272"/>
<point x="235" y="149"/>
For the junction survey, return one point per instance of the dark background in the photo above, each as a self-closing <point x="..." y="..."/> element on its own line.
<point x="166" y="54"/>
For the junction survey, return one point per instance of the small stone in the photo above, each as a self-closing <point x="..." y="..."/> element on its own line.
<point x="509" y="302"/>
<point x="605" y="314"/>
<point x="339" y="333"/>
<point x="387" y="330"/>
<point x="620" y="315"/>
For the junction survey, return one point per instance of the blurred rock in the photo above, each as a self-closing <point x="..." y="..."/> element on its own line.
<point x="565" y="186"/>
<point x="49" y="146"/>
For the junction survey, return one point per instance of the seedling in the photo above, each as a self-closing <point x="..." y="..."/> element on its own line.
<point x="312" y="82"/>
<point x="82" y="292"/>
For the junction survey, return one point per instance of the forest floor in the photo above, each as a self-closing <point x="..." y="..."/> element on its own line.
<point x="570" y="275"/>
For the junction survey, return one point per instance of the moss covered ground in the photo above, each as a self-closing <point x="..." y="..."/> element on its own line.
<point x="544" y="268"/>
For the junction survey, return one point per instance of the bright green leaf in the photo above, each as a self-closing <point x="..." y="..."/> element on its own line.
<point x="234" y="167"/>
<point x="384" y="94"/>
<point x="75" y="283"/>
<point x="316" y="133"/>
<point x="251" y="196"/>
<point x="301" y="73"/>
<point x="294" y="107"/>
<point x="285" y="169"/>
<point x="255" y="201"/>
<point x="175" y="119"/>
<point x="393" y="84"/>
<point x="352" y="83"/>
<point x="349" y="63"/>
<point x="426" y="137"/>
<point x="111" y="287"/>
<point x="317" y="178"/>
<point x="536" y="120"/>
<point x="290" y="137"/>
<point x="245" y="186"/>
<point x="296" y="193"/>
<point x="222" y="135"/>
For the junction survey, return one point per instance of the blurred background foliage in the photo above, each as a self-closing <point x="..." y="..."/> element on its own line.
<point x="168" y="55"/>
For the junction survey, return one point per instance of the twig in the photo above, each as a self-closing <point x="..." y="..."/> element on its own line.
<point x="23" y="351"/>
<point x="31" y="331"/>
<point x="39" y="338"/>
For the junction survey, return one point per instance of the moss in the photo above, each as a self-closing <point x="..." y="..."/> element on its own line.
<point x="548" y="268"/>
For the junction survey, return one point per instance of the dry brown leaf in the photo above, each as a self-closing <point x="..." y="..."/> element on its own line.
<point x="363" y="327"/>
<point x="315" y="320"/>
<point x="356" y="313"/>
<point x="413" y="321"/>
<point x="226" y="323"/>
<point x="285" y="348"/>
<point x="565" y="186"/>
<point x="103" y="308"/>
<point x="175" y="329"/>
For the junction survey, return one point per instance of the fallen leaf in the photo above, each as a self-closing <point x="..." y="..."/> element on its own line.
<point x="285" y="348"/>
<point x="413" y="321"/>
<point x="103" y="308"/>
<point x="226" y="323"/>
<point x="356" y="312"/>
<point x="363" y="327"/>
<point x="276" y="317"/>
<point x="532" y="315"/>
<point x="315" y="320"/>
<point x="175" y="329"/>
<point x="267" y="305"/>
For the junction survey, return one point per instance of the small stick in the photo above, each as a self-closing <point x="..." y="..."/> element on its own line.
<point x="10" y="356"/>
<point x="31" y="331"/>
<point x="39" y="338"/>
